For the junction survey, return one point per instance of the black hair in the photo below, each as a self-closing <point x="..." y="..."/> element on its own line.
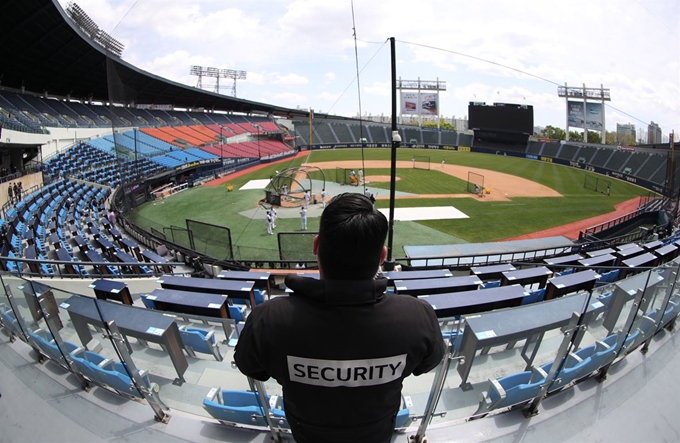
<point x="351" y="238"/>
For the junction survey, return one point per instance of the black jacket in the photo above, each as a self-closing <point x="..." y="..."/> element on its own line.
<point x="340" y="349"/>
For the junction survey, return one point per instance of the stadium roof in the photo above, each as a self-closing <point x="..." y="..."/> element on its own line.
<point x="42" y="50"/>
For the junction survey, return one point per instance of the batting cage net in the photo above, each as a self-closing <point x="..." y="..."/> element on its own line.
<point x="211" y="240"/>
<point x="421" y="162"/>
<point x="346" y="176"/>
<point x="597" y="184"/>
<point x="296" y="245"/>
<point x="475" y="183"/>
<point x="180" y="236"/>
<point x="342" y="176"/>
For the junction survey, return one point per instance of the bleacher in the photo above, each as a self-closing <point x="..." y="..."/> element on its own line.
<point x="653" y="164"/>
<point x="465" y="139"/>
<point x="535" y="147"/>
<point x="411" y="135"/>
<point x="602" y="156"/>
<point x="430" y="137"/>
<point x="379" y="134"/>
<point x="324" y="133"/>
<point x="568" y="152"/>
<point x="550" y="149"/>
<point x="449" y="138"/>
<point x="586" y="153"/>
<point x="341" y="132"/>
<point x="617" y="161"/>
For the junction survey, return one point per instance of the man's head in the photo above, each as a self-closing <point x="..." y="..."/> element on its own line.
<point x="351" y="241"/>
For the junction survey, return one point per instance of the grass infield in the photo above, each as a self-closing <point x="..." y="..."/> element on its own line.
<point x="489" y="221"/>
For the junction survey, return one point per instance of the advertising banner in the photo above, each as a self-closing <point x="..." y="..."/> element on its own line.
<point x="593" y="117"/>
<point x="409" y="103"/>
<point x="428" y="104"/>
<point x="414" y="103"/>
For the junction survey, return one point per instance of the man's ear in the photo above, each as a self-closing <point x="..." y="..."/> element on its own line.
<point x="383" y="255"/>
<point x="315" y="246"/>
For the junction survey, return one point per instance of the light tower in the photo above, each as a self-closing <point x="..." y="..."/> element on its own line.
<point x="217" y="73"/>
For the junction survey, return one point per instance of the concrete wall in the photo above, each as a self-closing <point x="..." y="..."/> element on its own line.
<point x="58" y="140"/>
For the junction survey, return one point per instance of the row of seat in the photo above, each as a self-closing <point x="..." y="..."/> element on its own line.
<point x="95" y="367"/>
<point x="243" y="408"/>
<point x="517" y="389"/>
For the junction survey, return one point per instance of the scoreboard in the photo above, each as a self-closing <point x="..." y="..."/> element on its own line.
<point x="501" y="117"/>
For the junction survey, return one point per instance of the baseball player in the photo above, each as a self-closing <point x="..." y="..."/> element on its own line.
<point x="303" y="218"/>
<point x="268" y="219"/>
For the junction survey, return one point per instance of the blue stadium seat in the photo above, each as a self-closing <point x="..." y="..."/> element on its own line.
<point x="492" y="284"/>
<point x="9" y="322"/>
<point x="237" y="312"/>
<point x="149" y="304"/>
<point x="672" y="310"/>
<point x="200" y="340"/>
<point x="113" y="375"/>
<point x="86" y="362"/>
<point x="240" y="408"/>
<point x="607" y="277"/>
<point x="44" y="341"/>
<point x="534" y="296"/>
<point x="511" y="390"/>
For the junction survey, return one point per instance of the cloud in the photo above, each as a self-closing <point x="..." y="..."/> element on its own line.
<point x="381" y="89"/>
<point x="327" y="96"/>
<point x="289" y="80"/>
<point x="523" y="49"/>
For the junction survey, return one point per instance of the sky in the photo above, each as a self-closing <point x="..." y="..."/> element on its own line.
<point x="303" y="53"/>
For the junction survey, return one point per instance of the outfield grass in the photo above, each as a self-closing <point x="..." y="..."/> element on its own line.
<point x="489" y="221"/>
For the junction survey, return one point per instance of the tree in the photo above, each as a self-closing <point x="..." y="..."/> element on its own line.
<point x="575" y="136"/>
<point x="627" y="140"/>
<point x="442" y="125"/>
<point x="611" y="138"/>
<point x="554" y="133"/>
<point x="594" y="137"/>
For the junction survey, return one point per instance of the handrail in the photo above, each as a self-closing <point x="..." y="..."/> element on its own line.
<point x="62" y="264"/>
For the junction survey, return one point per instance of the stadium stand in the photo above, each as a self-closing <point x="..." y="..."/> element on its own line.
<point x="449" y="138"/>
<point x="535" y="147"/>
<point x="617" y="161"/>
<point x="378" y="134"/>
<point x="568" y="152"/>
<point x="66" y="219"/>
<point x="550" y="149"/>
<point x="431" y="137"/>
<point x="342" y="133"/>
<point x="325" y="134"/>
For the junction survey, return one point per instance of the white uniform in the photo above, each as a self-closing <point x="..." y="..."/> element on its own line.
<point x="413" y="160"/>
<point x="303" y="218"/>
<point x="323" y="198"/>
<point x="269" y="223"/>
<point x="361" y="175"/>
<point x="274" y="215"/>
<point x="306" y="197"/>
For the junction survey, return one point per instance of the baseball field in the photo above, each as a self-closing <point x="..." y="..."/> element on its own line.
<point x="517" y="197"/>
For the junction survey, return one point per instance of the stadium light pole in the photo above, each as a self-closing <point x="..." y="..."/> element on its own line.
<point x="396" y="140"/>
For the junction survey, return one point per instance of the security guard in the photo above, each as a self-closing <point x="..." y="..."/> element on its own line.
<point x="340" y="346"/>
